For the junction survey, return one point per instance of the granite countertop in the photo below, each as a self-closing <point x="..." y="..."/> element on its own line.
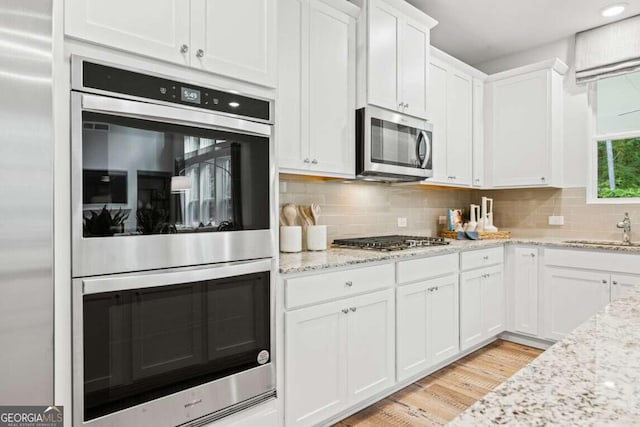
<point x="591" y="377"/>
<point x="340" y="257"/>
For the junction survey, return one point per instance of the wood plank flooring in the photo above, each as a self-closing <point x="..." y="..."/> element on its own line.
<point x="437" y="399"/>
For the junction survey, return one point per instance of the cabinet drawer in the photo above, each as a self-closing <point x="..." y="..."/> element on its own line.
<point x="611" y="261"/>
<point x="482" y="258"/>
<point x="322" y="287"/>
<point x="427" y="268"/>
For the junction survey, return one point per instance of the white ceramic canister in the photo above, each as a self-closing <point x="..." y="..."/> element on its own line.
<point x="291" y="238"/>
<point x="317" y="238"/>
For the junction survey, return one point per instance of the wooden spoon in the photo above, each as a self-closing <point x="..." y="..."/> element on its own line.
<point x="315" y="213"/>
<point x="305" y="213"/>
<point x="290" y="213"/>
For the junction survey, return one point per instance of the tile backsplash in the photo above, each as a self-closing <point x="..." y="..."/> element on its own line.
<point x="526" y="212"/>
<point x="359" y="208"/>
<point x="356" y="209"/>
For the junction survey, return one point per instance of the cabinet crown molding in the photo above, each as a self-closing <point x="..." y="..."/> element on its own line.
<point x="554" y="63"/>
<point x="407" y="9"/>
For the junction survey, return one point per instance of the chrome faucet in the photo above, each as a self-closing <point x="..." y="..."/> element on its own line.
<point x="625" y="224"/>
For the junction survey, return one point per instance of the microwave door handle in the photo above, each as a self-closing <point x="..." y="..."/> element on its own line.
<point x="427" y="141"/>
<point x="170" y="114"/>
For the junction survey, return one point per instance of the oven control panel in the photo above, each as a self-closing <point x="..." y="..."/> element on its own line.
<point x="116" y="80"/>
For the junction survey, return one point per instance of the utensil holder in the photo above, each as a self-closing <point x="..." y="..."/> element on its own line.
<point x="291" y="238"/>
<point x="317" y="238"/>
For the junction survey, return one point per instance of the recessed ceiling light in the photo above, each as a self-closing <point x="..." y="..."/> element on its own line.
<point x="234" y="104"/>
<point x="613" y="10"/>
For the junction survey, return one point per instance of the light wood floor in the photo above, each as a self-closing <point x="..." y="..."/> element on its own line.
<point x="439" y="398"/>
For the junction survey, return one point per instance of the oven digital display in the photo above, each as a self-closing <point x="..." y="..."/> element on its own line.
<point x="190" y="95"/>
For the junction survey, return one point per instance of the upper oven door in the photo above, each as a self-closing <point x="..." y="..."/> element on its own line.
<point x="157" y="186"/>
<point x="397" y="144"/>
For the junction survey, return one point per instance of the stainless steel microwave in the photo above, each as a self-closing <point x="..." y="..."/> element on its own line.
<point x="392" y="147"/>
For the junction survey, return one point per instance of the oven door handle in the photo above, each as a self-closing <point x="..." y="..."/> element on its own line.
<point x="174" y="115"/>
<point x="123" y="282"/>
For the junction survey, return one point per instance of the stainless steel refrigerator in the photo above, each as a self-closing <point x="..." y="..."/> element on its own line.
<point x="26" y="203"/>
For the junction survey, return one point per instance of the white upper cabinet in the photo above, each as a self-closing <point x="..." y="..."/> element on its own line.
<point x="226" y="37"/>
<point x="478" y="132"/>
<point x="393" y="56"/>
<point x="437" y="111"/>
<point x="453" y="110"/>
<point x="235" y="38"/>
<point x="414" y="70"/>
<point x="524" y="131"/>
<point x="460" y="128"/>
<point x="316" y="89"/>
<point x="384" y="30"/>
<point x="155" y="28"/>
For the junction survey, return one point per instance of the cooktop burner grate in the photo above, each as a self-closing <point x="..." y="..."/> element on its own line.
<point x="389" y="243"/>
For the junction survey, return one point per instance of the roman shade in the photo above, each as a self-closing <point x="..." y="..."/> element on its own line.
<point x="608" y="50"/>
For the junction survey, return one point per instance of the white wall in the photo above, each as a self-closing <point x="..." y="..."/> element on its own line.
<point x="576" y="111"/>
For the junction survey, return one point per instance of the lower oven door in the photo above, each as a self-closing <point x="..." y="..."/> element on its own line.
<point x="169" y="347"/>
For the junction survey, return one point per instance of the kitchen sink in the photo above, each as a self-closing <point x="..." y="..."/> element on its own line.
<point x="603" y="243"/>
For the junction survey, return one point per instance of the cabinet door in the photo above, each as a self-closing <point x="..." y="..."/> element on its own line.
<point x="328" y="83"/>
<point x="622" y="285"/>
<point x="471" y="326"/>
<point x="370" y="345"/>
<point x="443" y="318"/>
<point x="414" y="67"/>
<point x="478" y="133"/>
<point x="235" y="39"/>
<point x="315" y="365"/>
<point x="155" y="28"/>
<point x="522" y="130"/>
<point x="525" y="291"/>
<point x="493" y="308"/>
<point x="459" y="127"/>
<point x="382" y="79"/>
<point x="293" y="149"/>
<point x="413" y="321"/>
<point x="571" y="297"/>
<point x="437" y="112"/>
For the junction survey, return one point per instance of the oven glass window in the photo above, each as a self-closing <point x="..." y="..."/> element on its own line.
<point x="142" y="177"/>
<point x="143" y="344"/>
<point x="394" y="144"/>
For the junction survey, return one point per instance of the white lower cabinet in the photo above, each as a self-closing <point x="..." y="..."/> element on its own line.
<point x="338" y="354"/>
<point x="525" y="290"/>
<point x="370" y="345"/>
<point x="315" y="363"/>
<point x="623" y="284"/>
<point x="578" y="283"/>
<point x="571" y="297"/>
<point x="427" y="316"/>
<point x="482" y="309"/>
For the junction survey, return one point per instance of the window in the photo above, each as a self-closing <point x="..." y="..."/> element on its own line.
<point x="615" y="148"/>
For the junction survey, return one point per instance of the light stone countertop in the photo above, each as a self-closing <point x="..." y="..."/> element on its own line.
<point x="341" y="257"/>
<point x="591" y="377"/>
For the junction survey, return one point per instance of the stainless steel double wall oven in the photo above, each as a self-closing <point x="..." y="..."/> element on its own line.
<point x="172" y="248"/>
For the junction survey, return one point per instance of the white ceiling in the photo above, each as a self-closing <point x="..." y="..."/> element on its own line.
<point x="477" y="31"/>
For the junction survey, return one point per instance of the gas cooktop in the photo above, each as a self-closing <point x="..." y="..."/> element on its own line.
<point x="389" y="243"/>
